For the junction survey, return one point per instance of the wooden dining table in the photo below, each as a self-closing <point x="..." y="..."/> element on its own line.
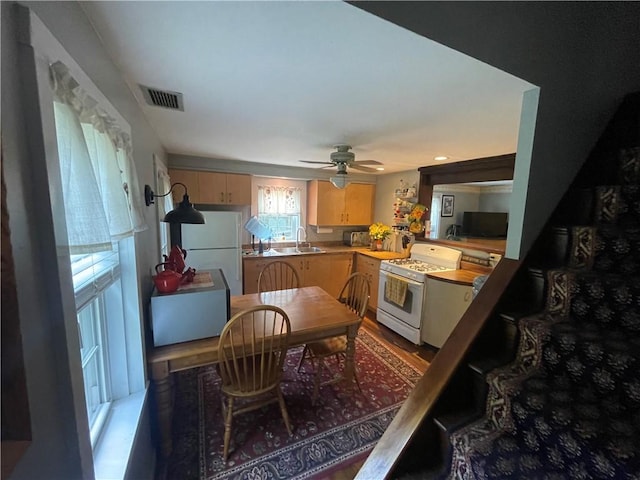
<point x="313" y="313"/>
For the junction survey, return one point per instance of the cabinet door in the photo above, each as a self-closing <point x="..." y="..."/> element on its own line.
<point x="359" y="198"/>
<point x="340" y="268"/>
<point x="238" y="189"/>
<point x="445" y="304"/>
<point x="371" y="268"/>
<point x="213" y="187"/>
<point x="325" y="203"/>
<point x="250" y="271"/>
<point x="190" y="179"/>
<point x="252" y="268"/>
<point x="317" y="270"/>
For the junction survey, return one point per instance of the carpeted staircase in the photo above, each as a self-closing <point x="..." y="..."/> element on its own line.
<point x="568" y="406"/>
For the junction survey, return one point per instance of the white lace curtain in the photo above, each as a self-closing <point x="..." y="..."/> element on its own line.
<point x="101" y="193"/>
<point x="278" y="200"/>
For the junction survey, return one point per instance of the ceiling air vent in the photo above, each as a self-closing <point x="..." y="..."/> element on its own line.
<point x="162" y="98"/>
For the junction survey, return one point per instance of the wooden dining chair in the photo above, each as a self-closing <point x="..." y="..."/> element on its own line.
<point x="253" y="346"/>
<point x="355" y="296"/>
<point x="278" y="275"/>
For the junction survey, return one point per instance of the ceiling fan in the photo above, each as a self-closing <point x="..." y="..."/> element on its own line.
<point x="343" y="158"/>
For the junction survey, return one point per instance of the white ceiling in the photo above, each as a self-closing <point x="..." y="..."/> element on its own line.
<point x="277" y="82"/>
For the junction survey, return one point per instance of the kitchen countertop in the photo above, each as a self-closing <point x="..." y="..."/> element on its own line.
<point x="463" y="276"/>
<point x="332" y="248"/>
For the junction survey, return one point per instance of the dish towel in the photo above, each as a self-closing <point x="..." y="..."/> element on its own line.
<point x="395" y="289"/>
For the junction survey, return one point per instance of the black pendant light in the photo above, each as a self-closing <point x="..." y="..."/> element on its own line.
<point x="182" y="213"/>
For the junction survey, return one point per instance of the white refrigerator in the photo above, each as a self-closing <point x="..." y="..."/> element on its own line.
<point x="216" y="244"/>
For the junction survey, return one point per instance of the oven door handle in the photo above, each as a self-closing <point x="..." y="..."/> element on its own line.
<point x="410" y="282"/>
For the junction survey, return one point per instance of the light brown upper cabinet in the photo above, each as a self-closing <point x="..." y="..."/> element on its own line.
<point x="225" y="188"/>
<point x="329" y="205"/>
<point x="190" y="179"/>
<point x="213" y="188"/>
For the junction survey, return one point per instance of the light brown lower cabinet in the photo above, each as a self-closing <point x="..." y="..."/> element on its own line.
<point x="371" y="268"/>
<point x="328" y="270"/>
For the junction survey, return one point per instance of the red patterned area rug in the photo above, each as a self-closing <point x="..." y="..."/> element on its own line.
<point x="342" y="428"/>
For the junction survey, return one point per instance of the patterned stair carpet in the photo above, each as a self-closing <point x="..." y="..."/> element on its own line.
<point x="340" y="429"/>
<point x="568" y="407"/>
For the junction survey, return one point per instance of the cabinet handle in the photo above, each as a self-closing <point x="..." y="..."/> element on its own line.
<point x="229" y="195"/>
<point x="221" y="197"/>
<point x="347" y="217"/>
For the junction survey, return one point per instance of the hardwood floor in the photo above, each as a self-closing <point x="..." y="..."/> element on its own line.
<point x="420" y="357"/>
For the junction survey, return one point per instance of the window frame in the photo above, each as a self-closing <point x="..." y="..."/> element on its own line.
<point x="115" y="446"/>
<point x="296" y="219"/>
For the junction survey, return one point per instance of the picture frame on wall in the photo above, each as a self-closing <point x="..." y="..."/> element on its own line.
<point x="447" y="206"/>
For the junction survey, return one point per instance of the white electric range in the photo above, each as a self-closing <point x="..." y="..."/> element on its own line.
<point x="404" y="313"/>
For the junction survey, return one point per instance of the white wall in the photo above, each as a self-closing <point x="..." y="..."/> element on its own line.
<point x="494" y="202"/>
<point x="385" y="193"/>
<point x="583" y="56"/>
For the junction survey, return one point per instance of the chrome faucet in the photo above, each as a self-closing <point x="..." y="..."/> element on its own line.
<point x="304" y="233"/>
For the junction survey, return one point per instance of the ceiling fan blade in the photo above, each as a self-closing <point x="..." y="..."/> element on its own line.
<point x="320" y="163"/>
<point x="361" y="168"/>
<point x="367" y="162"/>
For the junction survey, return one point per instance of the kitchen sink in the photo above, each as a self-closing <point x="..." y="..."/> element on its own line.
<point x="297" y="250"/>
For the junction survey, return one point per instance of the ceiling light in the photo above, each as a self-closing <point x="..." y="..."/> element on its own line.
<point x="440" y="158"/>
<point x="339" y="181"/>
<point x="182" y="213"/>
<point x="380" y="169"/>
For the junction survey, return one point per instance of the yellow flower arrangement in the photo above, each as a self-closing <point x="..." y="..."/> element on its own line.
<point x="379" y="231"/>
<point x="416" y="218"/>
<point x="418" y="213"/>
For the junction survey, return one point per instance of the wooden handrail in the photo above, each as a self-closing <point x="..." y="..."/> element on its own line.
<point x="422" y="399"/>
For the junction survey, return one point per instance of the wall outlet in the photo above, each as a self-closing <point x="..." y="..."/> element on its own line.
<point x="494" y="258"/>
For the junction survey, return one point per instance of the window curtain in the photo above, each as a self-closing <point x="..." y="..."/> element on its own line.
<point x="100" y="187"/>
<point x="278" y="200"/>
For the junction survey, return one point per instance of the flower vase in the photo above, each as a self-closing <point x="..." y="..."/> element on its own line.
<point x="378" y="245"/>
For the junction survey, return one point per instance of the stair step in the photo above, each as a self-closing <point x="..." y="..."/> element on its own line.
<point x="427" y="474"/>
<point x="483" y="366"/>
<point x="452" y="421"/>
<point x="510" y="456"/>
<point x="447" y="424"/>
<point x="499" y="338"/>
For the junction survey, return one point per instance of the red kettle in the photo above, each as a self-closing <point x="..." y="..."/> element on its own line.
<point x="176" y="258"/>
<point x="168" y="280"/>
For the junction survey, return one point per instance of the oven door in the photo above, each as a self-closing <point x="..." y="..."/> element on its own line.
<point x="411" y="311"/>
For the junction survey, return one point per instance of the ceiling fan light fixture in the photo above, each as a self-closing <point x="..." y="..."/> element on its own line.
<point x="339" y="181"/>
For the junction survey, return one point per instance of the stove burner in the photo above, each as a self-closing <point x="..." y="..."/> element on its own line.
<point x="417" y="265"/>
<point x="403" y="261"/>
